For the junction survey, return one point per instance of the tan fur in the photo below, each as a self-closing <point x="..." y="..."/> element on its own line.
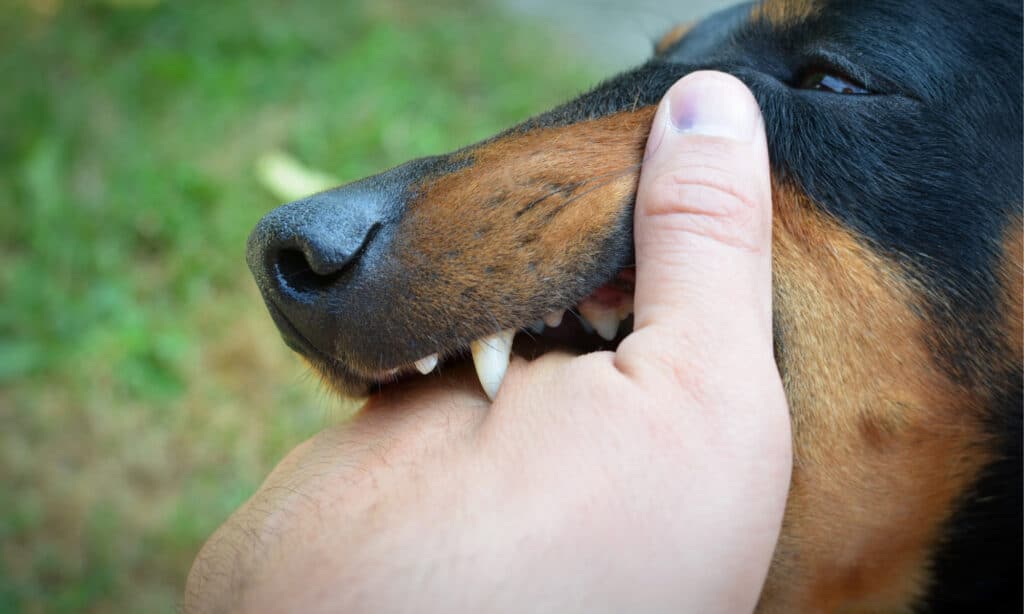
<point x="784" y="13"/>
<point x="672" y="37"/>
<point x="503" y="230"/>
<point x="1011" y="272"/>
<point x="884" y="442"/>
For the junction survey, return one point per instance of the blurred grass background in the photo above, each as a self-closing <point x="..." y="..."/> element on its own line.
<point x="144" y="393"/>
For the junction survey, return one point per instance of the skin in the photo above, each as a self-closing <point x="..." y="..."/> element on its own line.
<point x="652" y="478"/>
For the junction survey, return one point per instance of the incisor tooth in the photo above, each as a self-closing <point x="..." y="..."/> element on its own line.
<point x="554" y="319"/>
<point x="490" y="357"/>
<point x="605" y="321"/>
<point x="537" y="327"/>
<point x="426" y="364"/>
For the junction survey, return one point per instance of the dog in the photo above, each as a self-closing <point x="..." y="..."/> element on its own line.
<point x="894" y="130"/>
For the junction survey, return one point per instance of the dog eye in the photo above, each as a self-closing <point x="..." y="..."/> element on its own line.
<point x="831" y="82"/>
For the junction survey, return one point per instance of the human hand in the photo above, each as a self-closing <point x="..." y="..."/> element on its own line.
<point x="652" y="478"/>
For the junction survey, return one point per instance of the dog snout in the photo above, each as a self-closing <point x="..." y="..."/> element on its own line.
<point x="306" y="254"/>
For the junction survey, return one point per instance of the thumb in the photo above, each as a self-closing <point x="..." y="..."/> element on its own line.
<point x="702" y="223"/>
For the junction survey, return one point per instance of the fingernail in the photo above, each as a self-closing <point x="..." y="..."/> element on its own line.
<point x="713" y="105"/>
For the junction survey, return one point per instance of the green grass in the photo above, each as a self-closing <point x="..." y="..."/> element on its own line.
<point x="143" y="391"/>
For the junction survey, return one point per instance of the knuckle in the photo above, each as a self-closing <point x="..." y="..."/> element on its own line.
<point x="709" y="202"/>
<point x="703" y="190"/>
<point x="651" y="360"/>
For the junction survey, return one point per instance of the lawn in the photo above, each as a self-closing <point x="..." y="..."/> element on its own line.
<point x="143" y="390"/>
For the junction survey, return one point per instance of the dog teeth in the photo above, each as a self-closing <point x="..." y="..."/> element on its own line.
<point x="490" y="357"/>
<point x="554" y="319"/>
<point x="605" y="321"/>
<point x="491" y="354"/>
<point x="426" y="364"/>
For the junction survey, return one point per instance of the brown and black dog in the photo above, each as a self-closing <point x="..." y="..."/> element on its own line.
<point x="894" y="130"/>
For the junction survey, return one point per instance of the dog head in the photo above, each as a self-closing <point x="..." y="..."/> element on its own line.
<point x="894" y="131"/>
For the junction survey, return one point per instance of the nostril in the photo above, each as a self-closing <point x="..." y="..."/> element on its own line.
<point x="314" y="264"/>
<point x="295" y="273"/>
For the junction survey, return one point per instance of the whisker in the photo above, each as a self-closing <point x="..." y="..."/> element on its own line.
<point x="610" y="176"/>
<point x="618" y="174"/>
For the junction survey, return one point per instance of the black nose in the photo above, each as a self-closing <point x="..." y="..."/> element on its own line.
<point x="326" y="264"/>
<point x="302" y="250"/>
<point x="306" y="257"/>
<point x="311" y="258"/>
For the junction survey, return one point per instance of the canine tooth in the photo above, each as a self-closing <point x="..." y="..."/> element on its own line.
<point x="537" y="327"/>
<point x="605" y="321"/>
<point x="426" y="364"/>
<point x="490" y="357"/>
<point x="554" y="319"/>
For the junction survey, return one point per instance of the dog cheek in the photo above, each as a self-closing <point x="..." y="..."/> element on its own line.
<point x="518" y="230"/>
<point x="882" y="437"/>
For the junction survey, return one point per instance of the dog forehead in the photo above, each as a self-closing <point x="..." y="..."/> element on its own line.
<point x="704" y="38"/>
<point x="696" y="43"/>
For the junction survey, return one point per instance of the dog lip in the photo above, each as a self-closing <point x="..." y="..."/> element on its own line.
<point x="602" y="314"/>
<point x="339" y="374"/>
<point x="293" y="338"/>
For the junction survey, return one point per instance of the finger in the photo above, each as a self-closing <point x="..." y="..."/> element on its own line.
<point x="703" y="222"/>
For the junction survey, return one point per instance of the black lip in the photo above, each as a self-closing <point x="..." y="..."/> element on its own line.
<point x="292" y="337"/>
<point x="335" y="373"/>
<point x="572" y="336"/>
